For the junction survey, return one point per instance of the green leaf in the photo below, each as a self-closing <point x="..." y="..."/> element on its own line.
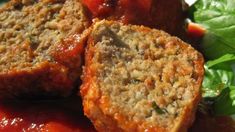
<point x="219" y="86"/>
<point x="223" y="62"/>
<point x="225" y="103"/>
<point x="218" y="75"/>
<point x="226" y="59"/>
<point x="218" y="18"/>
<point x="215" y="80"/>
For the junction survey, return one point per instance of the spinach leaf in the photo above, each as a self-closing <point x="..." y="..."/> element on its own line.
<point x="218" y="18"/>
<point x="218" y="85"/>
<point x="215" y="80"/>
<point x="222" y="62"/>
<point x="218" y="75"/>
<point x="225" y="103"/>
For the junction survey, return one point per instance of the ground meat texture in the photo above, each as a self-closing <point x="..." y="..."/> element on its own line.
<point x="139" y="79"/>
<point x="31" y="36"/>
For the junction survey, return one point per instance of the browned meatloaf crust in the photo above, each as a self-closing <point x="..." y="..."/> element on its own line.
<point x="139" y="79"/>
<point x="39" y="51"/>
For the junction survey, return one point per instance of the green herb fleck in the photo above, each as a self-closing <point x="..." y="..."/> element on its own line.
<point x="157" y="108"/>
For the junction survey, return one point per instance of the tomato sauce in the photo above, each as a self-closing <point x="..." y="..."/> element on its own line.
<point x="166" y="15"/>
<point x="66" y="116"/>
<point x="44" y="116"/>
<point x="195" y="30"/>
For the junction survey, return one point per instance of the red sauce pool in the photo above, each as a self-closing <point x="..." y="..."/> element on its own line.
<point x="44" y="116"/>
<point x="67" y="116"/>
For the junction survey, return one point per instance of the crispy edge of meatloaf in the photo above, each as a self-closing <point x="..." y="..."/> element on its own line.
<point x="55" y="74"/>
<point x="97" y="106"/>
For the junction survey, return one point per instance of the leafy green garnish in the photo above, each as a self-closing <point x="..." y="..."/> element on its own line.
<point x="225" y="103"/>
<point x="157" y="108"/>
<point x="218" y="18"/>
<point x="223" y="62"/>
<point x="218" y="75"/>
<point x="219" y="85"/>
<point x="215" y="80"/>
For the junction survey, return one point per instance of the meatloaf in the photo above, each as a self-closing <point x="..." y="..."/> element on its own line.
<point x="40" y="47"/>
<point x="139" y="79"/>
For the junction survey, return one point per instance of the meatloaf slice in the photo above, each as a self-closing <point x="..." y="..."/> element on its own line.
<point x="40" y="46"/>
<point x="140" y="79"/>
